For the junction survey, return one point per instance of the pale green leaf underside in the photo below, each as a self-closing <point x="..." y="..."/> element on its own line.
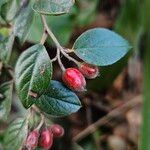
<point x="32" y="74"/>
<point x="100" y="47"/>
<point x="58" y="100"/>
<point x="53" y="7"/>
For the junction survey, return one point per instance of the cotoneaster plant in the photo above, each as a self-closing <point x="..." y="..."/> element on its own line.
<point x="34" y="69"/>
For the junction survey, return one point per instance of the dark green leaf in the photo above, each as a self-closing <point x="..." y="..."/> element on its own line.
<point x="23" y="23"/>
<point x="33" y="73"/>
<point x="100" y="47"/>
<point x="6" y="48"/>
<point x="58" y="100"/>
<point x="16" y="134"/>
<point x="5" y="100"/>
<point x="53" y="7"/>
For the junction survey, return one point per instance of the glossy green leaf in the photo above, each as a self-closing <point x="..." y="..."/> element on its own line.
<point x="33" y="73"/>
<point x="23" y="23"/>
<point x="100" y="47"/>
<point x="16" y="134"/>
<point x="53" y="7"/>
<point x="6" y="48"/>
<point x="58" y="100"/>
<point x="5" y="100"/>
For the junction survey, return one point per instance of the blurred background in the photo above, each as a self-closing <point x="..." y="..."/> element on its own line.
<point x="111" y="117"/>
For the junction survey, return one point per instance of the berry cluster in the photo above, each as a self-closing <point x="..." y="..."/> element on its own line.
<point x="44" y="137"/>
<point x="75" y="78"/>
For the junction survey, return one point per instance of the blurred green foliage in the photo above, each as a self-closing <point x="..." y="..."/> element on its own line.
<point x="145" y="134"/>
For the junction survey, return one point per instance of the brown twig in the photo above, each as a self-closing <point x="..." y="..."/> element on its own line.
<point x="117" y="111"/>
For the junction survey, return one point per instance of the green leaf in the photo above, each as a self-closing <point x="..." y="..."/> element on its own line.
<point x="33" y="73"/>
<point x="53" y="7"/>
<point x="9" y="10"/>
<point x="58" y="100"/>
<point x="16" y="134"/>
<point x="6" y="48"/>
<point x="5" y="100"/>
<point x="23" y="23"/>
<point x="100" y="47"/>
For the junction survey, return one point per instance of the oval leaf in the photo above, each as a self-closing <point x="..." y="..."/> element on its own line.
<point x="33" y="73"/>
<point x="100" y="47"/>
<point x="16" y="134"/>
<point x="5" y="99"/>
<point x="53" y="7"/>
<point x="58" y="100"/>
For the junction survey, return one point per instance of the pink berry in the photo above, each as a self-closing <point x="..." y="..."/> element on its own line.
<point x="32" y="140"/>
<point x="46" y="139"/>
<point x="89" y="71"/>
<point x="74" y="79"/>
<point x="57" y="130"/>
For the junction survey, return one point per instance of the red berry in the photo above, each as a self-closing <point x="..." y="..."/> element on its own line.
<point x="46" y="139"/>
<point x="73" y="78"/>
<point x="57" y="130"/>
<point x="32" y="140"/>
<point x="89" y="71"/>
